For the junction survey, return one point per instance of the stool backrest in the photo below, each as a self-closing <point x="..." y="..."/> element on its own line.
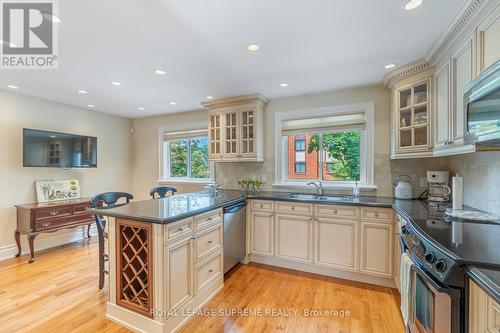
<point x="161" y="191"/>
<point x="110" y="199"/>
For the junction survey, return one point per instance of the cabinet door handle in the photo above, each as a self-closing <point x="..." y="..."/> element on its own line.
<point x="335" y="211"/>
<point x="376" y="214"/>
<point x="209" y="219"/>
<point x="180" y="229"/>
<point x="46" y="224"/>
<point x="210" y="270"/>
<point x="293" y="207"/>
<point x="210" y="242"/>
<point x="261" y="206"/>
<point x="54" y="212"/>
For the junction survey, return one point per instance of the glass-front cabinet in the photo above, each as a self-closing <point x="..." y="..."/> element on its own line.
<point x="412" y="118"/>
<point x="236" y="131"/>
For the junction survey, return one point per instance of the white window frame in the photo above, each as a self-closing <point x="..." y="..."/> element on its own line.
<point x="365" y="150"/>
<point x="164" y="158"/>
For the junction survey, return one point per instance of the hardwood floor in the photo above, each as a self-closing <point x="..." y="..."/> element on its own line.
<point x="58" y="293"/>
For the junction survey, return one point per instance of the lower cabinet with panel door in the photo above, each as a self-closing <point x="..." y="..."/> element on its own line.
<point x="350" y="242"/>
<point x="336" y="243"/>
<point x="294" y="237"/>
<point x="179" y="273"/>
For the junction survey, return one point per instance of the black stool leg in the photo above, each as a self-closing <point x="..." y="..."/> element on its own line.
<point x="101" y="224"/>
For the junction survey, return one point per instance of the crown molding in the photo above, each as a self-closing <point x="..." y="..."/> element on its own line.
<point x="465" y="15"/>
<point x="237" y="100"/>
<point x="402" y="72"/>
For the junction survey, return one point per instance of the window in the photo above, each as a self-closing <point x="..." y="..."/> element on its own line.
<point x="332" y="144"/>
<point x="300" y="167"/>
<point x="185" y="156"/>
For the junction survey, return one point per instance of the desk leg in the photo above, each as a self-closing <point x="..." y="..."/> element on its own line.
<point x="31" y="239"/>
<point x="18" y="242"/>
<point x="88" y="230"/>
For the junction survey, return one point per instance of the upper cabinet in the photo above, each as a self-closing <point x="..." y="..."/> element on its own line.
<point x="235" y="129"/>
<point x="412" y="117"/>
<point x="428" y="111"/>
<point x="488" y="37"/>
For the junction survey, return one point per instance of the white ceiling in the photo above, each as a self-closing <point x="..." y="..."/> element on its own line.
<point x="313" y="45"/>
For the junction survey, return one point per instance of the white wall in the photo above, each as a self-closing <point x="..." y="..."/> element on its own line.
<point x="17" y="183"/>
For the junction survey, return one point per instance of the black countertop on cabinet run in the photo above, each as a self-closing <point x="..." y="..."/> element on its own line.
<point x="487" y="279"/>
<point x="177" y="207"/>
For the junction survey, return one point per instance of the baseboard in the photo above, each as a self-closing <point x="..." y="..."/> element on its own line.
<point x="47" y="241"/>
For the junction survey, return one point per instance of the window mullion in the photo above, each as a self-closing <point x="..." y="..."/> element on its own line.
<point x="320" y="157"/>
<point x="189" y="159"/>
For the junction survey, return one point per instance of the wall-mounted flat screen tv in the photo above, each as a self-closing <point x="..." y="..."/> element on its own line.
<point x="59" y="150"/>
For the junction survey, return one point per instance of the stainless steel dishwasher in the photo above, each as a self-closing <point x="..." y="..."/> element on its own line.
<point x="234" y="234"/>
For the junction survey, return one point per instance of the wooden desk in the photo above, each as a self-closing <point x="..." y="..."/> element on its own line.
<point x="45" y="217"/>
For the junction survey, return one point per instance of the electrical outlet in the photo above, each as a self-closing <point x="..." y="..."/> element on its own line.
<point x="423" y="182"/>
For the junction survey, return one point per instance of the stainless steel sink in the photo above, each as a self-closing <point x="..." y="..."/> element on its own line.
<point x="300" y="196"/>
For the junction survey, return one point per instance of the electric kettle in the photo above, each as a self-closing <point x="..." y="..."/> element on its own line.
<point x="404" y="190"/>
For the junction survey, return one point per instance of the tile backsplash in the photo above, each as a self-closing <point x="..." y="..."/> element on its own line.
<point x="386" y="173"/>
<point x="481" y="172"/>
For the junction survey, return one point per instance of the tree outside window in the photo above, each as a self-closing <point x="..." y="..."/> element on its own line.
<point x="188" y="158"/>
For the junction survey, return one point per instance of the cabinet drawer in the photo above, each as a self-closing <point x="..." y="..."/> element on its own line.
<point x="207" y="242"/>
<point x="178" y="229"/>
<point x="336" y="211"/>
<point x="43" y="214"/>
<point x="62" y="221"/>
<point x="208" y="219"/>
<point x="294" y="208"/>
<point x="81" y="209"/>
<point x="374" y="214"/>
<point x="208" y="271"/>
<point x="262" y="205"/>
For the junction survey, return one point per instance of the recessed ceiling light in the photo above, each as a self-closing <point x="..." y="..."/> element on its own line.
<point x="52" y="17"/>
<point x="140" y="108"/>
<point x="160" y="72"/>
<point x="389" y="66"/>
<point x="283" y="84"/>
<point x="52" y="136"/>
<point x="253" y="47"/>
<point x="173" y="103"/>
<point x="412" y="4"/>
<point x="115" y="83"/>
<point x="11" y="86"/>
<point x="81" y="91"/>
<point x="91" y="105"/>
<point x="210" y="97"/>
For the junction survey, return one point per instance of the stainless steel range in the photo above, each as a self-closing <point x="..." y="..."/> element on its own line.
<point x="440" y="249"/>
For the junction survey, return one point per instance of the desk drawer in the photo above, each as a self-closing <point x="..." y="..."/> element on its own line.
<point x="207" y="242"/>
<point x="81" y="209"/>
<point x="208" y="272"/>
<point x="294" y="208"/>
<point x="336" y="211"/>
<point x="42" y="214"/>
<point x="207" y="219"/>
<point x="61" y="222"/>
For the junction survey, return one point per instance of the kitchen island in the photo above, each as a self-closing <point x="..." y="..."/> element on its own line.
<point x="166" y="255"/>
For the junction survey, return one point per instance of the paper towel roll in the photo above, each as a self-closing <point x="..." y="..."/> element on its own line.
<point x="457" y="184"/>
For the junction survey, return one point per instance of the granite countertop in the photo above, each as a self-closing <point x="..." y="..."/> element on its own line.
<point x="487" y="279"/>
<point x="177" y="207"/>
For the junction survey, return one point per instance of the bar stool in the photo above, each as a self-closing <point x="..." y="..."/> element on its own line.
<point x="103" y="201"/>
<point x="162" y="191"/>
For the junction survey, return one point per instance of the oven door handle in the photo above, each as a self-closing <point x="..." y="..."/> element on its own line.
<point x="428" y="278"/>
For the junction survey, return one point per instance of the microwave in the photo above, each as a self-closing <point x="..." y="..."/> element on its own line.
<point x="482" y="108"/>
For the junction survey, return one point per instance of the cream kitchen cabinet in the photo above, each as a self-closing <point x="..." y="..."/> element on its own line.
<point x="262" y="233"/>
<point x="488" y="37"/>
<point x="294" y="237"/>
<point x="443" y="106"/>
<point x="412" y="118"/>
<point x="377" y="248"/>
<point x="484" y="312"/>
<point x="336" y="243"/>
<point x="338" y="240"/>
<point x="179" y="273"/>
<point x="236" y="129"/>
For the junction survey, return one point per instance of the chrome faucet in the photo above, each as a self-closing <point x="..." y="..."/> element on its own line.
<point x="318" y="184"/>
